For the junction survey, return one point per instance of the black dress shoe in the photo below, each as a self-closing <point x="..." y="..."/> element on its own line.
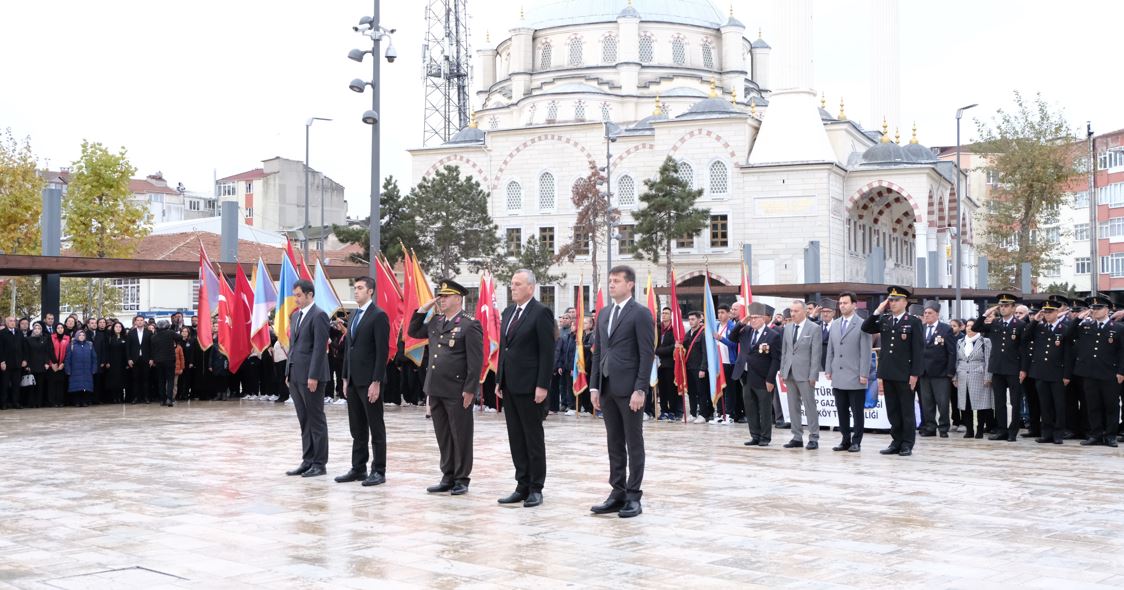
<point x="979" y="434"/>
<point x="926" y="433"/>
<point x="890" y="450"/>
<point x="609" y="505"/>
<point x="514" y="498"/>
<point x="352" y="475"/>
<point x="299" y="470"/>
<point x="1013" y="437"/>
<point x="855" y="448"/>
<point x="314" y="472"/>
<point x="439" y="488"/>
<point x="631" y="508"/>
<point x="969" y="434"/>
<point x="763" y="443"/>
<point x="905" y="452"/>
<point x="997" y="436"/>
<point x="533" y="499"/>
<point x="1059" y="441"/>
<point x="459" y="489"/>
<point x="1031" y="434"/>
<point x="812" y="445"/>
<point x="1043" y="440"/>
<point x="1110" y="441"/>
<point x="374" y="479"/>
<point x="752" y="443"/>
<point x="842" y="447"/>
<point x="944" y="435"/>
<point x="1090" y="442"/>
<point x="794" y="444"/>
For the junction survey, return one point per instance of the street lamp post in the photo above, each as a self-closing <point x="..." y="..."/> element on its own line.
<point x="369" y="26"/>
<point x="1093" y="262"/>
<point x="304" y="230"/>
<point x="609" y="139"/>
<point x="959" y="209"/>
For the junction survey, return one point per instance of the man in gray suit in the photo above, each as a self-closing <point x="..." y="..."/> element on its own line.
<point x="307" y="376"/>
<point x="624" y="349"/>
<point x="848" y="369"/>
<point x="801" y="348"/>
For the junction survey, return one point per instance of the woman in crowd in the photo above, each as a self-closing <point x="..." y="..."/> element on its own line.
<point x="280" y="360"/>
<point x="220" y="374"/>
<point x="56" y="376"/>
<point x="188" y="349"/>
<point x="38" y="364"/>
<point x="71" y="324"/>
<point x="116" y="364"/>
<point x="81" y="364"/>
<point x="973" y="381"/>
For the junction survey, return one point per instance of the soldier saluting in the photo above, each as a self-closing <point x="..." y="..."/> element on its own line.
<point x="1006" y="333"/>
<point x="899" y="365"/>
<point x="456" y="344"/>
<point x="1048" y="353"/>
<point x="1099" y="361"/>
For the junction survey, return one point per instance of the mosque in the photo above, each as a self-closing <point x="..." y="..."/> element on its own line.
<point x="682" y="78"/>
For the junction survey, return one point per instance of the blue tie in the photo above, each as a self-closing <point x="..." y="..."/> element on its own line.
<point x="355" y="320"/>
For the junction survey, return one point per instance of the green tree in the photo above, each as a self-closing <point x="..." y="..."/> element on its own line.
<point x="454" y="226"/>
<point x="594" y="213"/>
<point x="21" y="201"/>
<point x="22" y="295"/>
<point x="668" y="213"/>
<point x="100" y="220"/>
<point x="1063" y="288"/>
<point x="1035" y="156"/>
<point x="90" y="297"/>
<point x="398" y="226"/>
<point x="536" y="257"/>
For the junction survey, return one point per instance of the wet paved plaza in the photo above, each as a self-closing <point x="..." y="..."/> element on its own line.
<point x="196" y="496"/>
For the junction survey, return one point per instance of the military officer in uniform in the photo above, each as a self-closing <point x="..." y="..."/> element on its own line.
<point x="899" y="365"/>
<point x="1048" y="348"/>
<point x="456" y="354"/>
<point x="1099" y="360"/>
<point x="1006" y="335"/>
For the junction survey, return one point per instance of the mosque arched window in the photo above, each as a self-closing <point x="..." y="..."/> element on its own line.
<point x="514" y="196"/>
<point x="546" y="191"/>
<point x="545" y="56"/>
<point x="552" y="111"/>
<point x="708" y="55"/>
<point x="579" y="110"/>
<point x="605" y="113"/>
<point x="647" y="49"/>
<point x="626" y="191"/>
<point x="678" y="51"/>
<point x="609" y="49"/>
<point x="719" y="178"/>
<point x="575" y="52"/>
<point x="686" y="173"/>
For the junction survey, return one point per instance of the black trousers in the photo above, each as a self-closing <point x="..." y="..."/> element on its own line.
<point x="314" y="425"/>
<point x="279" y="377"/>
<point x="669" y="396"/>
<point x="1103" y="397"/>
<point x="525" y="436"/>
<point x="1076" y="410"/>
<point x="699" y="391"/>
<point x="1051" y="399"/>
<point x="935" y="393"/>
<point x="139" y="380"/>
<point x="183" y="385"/>
<point x="899" y="409"/>
<point x="38" y="396"/>
<point x="452" y="424"/>
<point x="165" y="381"/>
<point x="849" y="404"/>
<point x="1034" y="409"/>
<point x="367" y="428"/>
<point x="759" y="412"/>
<point x="999" y="386"/>
<point x="624" y="435"/>
<point x="10" y="387"/>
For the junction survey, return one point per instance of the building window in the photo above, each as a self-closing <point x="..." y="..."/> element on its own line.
<point x="719" y="179"/>
<point x="250" y="212"/>
<point x="579" y="110"/>
<point x="193" y="205"/>
<point x="686" y="174"/>
<point x="514" y="241"/>
<point x="249" y="186"/>
<point x="1081" y="232"/>
<point x="1081" y="200"/>
<point x="493" y="123"/>
<point x="546" y="238"/>
<point x="605" y="116"/>
<point x="544" y="56"/>
<point x="678" y="51"/>
<point x="577" y="187"/>
<point x="1111" y="195"/>
<point x="576" y="52"/>
<point x="626" y="244"/>
<point x="546" y="297"/>
<point x="685" y="241"/>
<point x="514" y="196"/>
<point x="227" y="189"/>
<point x="719" y="231"/>
<point x="1113" y="228"/>
<point x="1110" y="159"/>
<point x="546" y="191"/>
<point x="626" y="190"/>
<point x="1113" y="264"/>
<point x="647" y="49"/>
<point x="581" y="243"/>
<point x="1081" y="265"/>
<point x="194" y="294"/>
<point x="552" y="112"/>
<point x="992" y="177"/>
<point x="130" y="293"/>
<point x="154" y="198"/>
<point x="609" y="49"/>
<point x="211" y="205"/>
<point x="708" y="55"/>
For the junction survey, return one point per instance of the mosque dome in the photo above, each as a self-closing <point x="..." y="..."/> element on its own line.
<point x="557" y="13"/>
<point x="470" y="134"/>
<point x="710" y="107"/>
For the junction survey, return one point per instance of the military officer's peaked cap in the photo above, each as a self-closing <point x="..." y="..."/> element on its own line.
<point x="1051" y="304"/>
<point x="896" y="292"/>
<point x="1007" y="298"/>
<point x="451" y="287"/>
<point x="1098" y="300"/>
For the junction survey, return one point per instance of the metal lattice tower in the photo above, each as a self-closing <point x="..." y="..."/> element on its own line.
<point x="446" y="69"/>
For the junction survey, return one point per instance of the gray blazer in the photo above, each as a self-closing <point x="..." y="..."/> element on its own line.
<point x="626" y="356"/>
<point x="973" y="374"/>
<point x="308" y="348"/>
<point x="848" y="353"/>
<point x="802" y="361"/>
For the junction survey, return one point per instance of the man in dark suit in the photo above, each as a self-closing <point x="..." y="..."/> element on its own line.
<point x="759" y="359"/>
<point x="13" y="359"/>
<point x="456" y="354"/>
<point x="1007" y="347"/>
<point x="899" y="365"/>
<point x="938" y="367"/>
<point x="1048" y="351"/>
<point x="523" y="375"/>
<point x="1099" y="360"/>
<point x="622" y="367"/>
<point x="366" y="348"/>
<point x="307" y="377"/>
<point x="140" y="360"/>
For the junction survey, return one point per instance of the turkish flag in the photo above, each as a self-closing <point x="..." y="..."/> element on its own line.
<point x="241" y="312"/>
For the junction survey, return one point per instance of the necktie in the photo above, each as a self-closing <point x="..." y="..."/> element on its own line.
<point x="795" y="333"/>
<point x="613" y="318"/>
<point x="929" y="336"/>
<point x="300" y="316"/>
<point x="843" y="327"/>
<point x="756" y="335"/>
<point x="515" y="320"/>
<point x="355" y="320"/>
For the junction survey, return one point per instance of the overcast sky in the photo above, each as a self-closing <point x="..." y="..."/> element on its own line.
<point x="198" y="88"/>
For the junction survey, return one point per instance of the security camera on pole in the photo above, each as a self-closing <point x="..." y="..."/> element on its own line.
<point x="369" y="26"/>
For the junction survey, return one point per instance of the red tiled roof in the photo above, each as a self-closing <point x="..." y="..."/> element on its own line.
<point x="139" y="186"/>
<point x="254" y="174"/>
<point x="185" y="246"/>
